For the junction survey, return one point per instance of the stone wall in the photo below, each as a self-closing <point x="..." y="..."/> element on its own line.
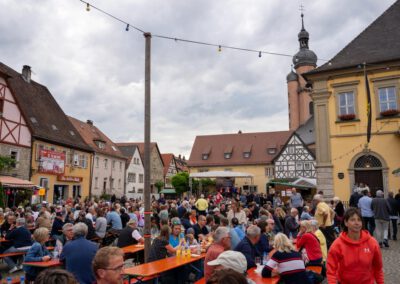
<point x="24" y="161"/>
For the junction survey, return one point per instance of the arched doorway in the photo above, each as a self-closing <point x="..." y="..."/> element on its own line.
<point x="369" y="168"/>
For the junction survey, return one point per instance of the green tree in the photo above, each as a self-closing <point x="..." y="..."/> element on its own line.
<point x="159" y="184"/>
<point x="180" y="182"/>
<point x="6" y="163"/>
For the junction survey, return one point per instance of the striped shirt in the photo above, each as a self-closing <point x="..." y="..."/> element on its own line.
<point x="290" y="267"/>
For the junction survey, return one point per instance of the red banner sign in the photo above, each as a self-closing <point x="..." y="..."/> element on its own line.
<point x="69" y="179"/>
<point x="52" y="162"/>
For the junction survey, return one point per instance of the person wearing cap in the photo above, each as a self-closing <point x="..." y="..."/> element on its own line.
<point x="231" y="260"/>
<point x="58" y="224"/>
<point x="21" y="240"/>
<point x="175" y="232"/>
<point x="222" y="242"/>
<point x="129" y="235"/>
<point x="217" y="215"/>
<point x="247" y="246"/>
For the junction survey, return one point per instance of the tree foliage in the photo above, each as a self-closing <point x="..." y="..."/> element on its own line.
<point x="6" y="163"/>
<point x="159" y="184"/>
<point x="180" y="182"/>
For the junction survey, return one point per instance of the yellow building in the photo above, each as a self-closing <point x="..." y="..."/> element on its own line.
<point x="65" y="172"/>
<point x="344" y="158"/>
<point x="60" y="159"/>
<point x="250" y="153"/>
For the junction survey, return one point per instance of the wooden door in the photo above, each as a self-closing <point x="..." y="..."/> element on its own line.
<point x="373" y="178"/>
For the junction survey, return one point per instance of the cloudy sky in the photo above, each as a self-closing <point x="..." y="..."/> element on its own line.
<point x="95" y="69"/>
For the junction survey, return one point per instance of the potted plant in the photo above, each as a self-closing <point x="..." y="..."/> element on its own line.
<point x="390" y="112"/>
<point x="349" y="116"/>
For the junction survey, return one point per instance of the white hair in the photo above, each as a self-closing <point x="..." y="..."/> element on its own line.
<point x="80" y="229"/>
<point x="318" y="197"/>
<point x="220" y="233"/>
<point x="253" y="231"/>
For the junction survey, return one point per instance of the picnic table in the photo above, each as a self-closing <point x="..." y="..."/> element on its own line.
<point x="44" y="264"/>
<point x="133" y="248"/>
<point x="155" y="268"/>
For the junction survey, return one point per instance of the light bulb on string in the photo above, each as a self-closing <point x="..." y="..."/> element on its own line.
<point x="259" y="54"/>
<point x="219" y="48"/>
<point x="127" y="27"/>
<point x="87" y="7"/>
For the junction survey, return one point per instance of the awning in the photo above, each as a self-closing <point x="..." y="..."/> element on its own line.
<point x="7" y="181"/>
<point x="298" y="183"/>
<point x="223" y="174"/>
<point x="168" y="191"/>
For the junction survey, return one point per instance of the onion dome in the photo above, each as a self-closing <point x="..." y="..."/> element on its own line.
<point x="292" y="76"/>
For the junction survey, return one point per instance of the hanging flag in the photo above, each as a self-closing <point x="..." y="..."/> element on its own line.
<point x="368" y="104"/>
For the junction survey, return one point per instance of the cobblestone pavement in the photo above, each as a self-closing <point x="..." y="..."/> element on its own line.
<point x="391" y="262"/>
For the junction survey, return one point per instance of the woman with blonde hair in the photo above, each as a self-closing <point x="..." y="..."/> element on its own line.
<point x="37" y="252"/>
<point x="237" y="212"/>
<point x="309" y="241"/>
<point x="281" y="216"/>
<point x="286" y="262"/>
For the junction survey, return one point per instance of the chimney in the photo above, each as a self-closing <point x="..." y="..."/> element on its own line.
<point x="180" y="157"/>
<point x="240" y="132"/>
<point x="184" y="158"/>
<point x="26" y="73"/>
<point x="90" y="122"/>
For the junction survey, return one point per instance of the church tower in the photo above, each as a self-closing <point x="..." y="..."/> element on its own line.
<point x="300" y="103"/>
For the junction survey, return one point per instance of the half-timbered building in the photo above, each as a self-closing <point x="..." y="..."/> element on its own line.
<point x="15" y="136"/>
<point x="295" y="160"/>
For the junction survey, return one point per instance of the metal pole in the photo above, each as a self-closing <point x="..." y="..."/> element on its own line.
<point x="147" y="120"/>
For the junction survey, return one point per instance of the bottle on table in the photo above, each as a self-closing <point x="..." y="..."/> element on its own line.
<point x="188" y="252"/>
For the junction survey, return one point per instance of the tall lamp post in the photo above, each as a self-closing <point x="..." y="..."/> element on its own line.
<point x="147" y="122"/>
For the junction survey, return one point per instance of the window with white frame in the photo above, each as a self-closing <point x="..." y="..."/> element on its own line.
<point x="387" y="98"/>
<point x="141" y="177"/>
<point x="83" y="161"/>
<point x="14" y="154"/>
<point x="269" y="171"/>
<point x="105" y="163"/>
<point x="346" y="103"/>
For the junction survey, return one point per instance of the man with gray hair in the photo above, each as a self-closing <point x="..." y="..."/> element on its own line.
<point x="247" y="246"/>
<point x="78" y="255"/>
<point x="222" y="242"/>
<point x="20" y="239"/>
<point x="381" y="209"/>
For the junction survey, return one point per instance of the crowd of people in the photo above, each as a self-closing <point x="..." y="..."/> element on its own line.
<point x="236" y="233"/>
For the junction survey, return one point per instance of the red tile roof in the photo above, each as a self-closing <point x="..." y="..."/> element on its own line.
<point x="167" y="158"/>
<point x="216" y="146"/>
<point x="90" y="133"/>
<point x="140" y="146"/>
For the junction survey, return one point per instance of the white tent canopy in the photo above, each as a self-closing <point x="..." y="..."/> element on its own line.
<point x="222" y="174"/>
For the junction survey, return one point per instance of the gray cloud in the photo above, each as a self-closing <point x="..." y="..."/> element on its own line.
<point x="95" y="69"/>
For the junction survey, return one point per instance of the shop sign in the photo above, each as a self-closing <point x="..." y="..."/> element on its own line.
<point x="69" y="178"/>
<point x="42" y="191"/>
<point x="52" y="162"/>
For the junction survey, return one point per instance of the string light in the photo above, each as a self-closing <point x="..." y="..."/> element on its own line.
<point x="188" y="40"/>
<point x="127" y="27"/>
<point x="87" y="7"/>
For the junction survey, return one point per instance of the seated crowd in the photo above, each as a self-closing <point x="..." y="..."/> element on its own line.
<point x="237" y="234"/>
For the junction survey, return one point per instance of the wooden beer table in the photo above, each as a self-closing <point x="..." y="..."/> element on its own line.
<point x="44" y="264"/>
<point x="155" y="268"/>
<point x="132" y="248"/>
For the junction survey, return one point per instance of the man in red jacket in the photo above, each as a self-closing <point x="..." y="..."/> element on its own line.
<point x="355" y="255"/>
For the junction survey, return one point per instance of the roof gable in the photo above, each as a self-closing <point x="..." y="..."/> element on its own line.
<point x="91" y="134"/>
<point x="140" y="147"/>
<point x="167" y="160"/>
<point x="216" y="147"/>
<point x="45" y="118"/>
<point x="379" y="42"/>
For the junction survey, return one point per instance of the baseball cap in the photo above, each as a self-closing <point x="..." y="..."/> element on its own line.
<point x="231" y="259"/>
<point x="216" y="209"/>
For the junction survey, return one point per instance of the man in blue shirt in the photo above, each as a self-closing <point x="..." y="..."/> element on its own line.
<point x="114" y="219"/>
<point x="78" y="255"/>
<point x="247" y="245"/>
<point x="364" y="203"/>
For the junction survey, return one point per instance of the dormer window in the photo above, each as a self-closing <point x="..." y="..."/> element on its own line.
<point x="227" y="155"/>
<point x="246" y="155"/>
<point x="100" y="144"/>
<point x="271" y="151"/>
<point x="54" y="127"/>
<point x="205" y="156"/>
<point x="228" y="152"/>
<point x="206" y="153"/>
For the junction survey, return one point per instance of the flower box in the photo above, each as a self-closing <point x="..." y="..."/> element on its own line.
<point x="350" y="116"/>
<point x="390" y="112"/>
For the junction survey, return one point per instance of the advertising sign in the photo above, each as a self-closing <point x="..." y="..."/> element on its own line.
<point x="52" y="162"/>
<point x="69" y="179"/>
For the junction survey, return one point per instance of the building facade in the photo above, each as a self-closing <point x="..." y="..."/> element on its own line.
<point x="15" y="136"/>
<point x="156" y="162"/>
<point x="250" y="153"/>
<point x="108" y="174"/>
<point x="170" y="169"/>
<point x="342" y="107"/>
<point x="134" y="176"/>
<point x="60" y="161"/>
